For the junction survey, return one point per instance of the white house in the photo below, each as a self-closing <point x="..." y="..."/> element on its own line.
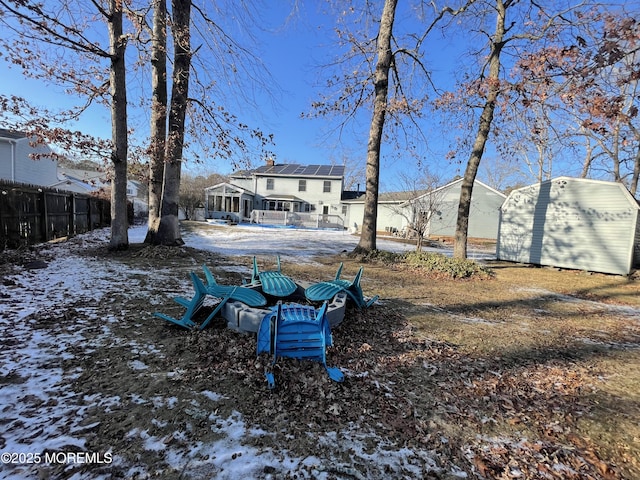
<point x="390" y="211"/>
<point x="88" y="181"/>
<point x="571" y="223"/>
<point x="293" y="189"/>
<point x="17" y="164"/>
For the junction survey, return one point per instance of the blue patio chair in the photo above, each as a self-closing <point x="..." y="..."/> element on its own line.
<point x="242" y="294"/>
<point x="194" y="305"/>
<point x="296" y="331"/>
<point x="325" y="291"/>
<point x="273" y="282"/>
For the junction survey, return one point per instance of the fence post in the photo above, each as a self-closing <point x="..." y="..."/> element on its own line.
<point x="72" y="215"/>
<point x="89" y="222"/>
<point x="44" y="216"/>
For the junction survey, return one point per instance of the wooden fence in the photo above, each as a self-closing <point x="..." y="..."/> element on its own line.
<point x="30" y="214"/>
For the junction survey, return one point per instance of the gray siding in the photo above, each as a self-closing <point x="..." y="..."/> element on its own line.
<point x="483" y="216"/>
<point x="16" y="164"/>
<point x="6" y="169"/>
<point x="570" y="223"/>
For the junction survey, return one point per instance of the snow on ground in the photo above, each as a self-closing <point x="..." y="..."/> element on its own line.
<point x="40" y="413"/>
<point x="288" y="242"/>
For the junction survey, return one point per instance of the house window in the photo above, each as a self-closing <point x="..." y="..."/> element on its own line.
<point x="344" y="209"/>
<point x="269" y="183"/>
<point x="327" y="186"/>
<point x="302" y="185"/>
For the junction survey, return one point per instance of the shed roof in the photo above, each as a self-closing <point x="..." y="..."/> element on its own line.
<point x="634" y="202"/>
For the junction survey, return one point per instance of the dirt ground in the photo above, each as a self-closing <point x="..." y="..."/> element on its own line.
<point x="526" y="387"/>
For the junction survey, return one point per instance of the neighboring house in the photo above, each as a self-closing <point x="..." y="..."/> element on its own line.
<point x="441" y="207"/>
<point x="398" y="211"/>
<point x="390" y="211"/>
<point x="572" y="223"/>
<point x="293" y="188"/>
<point x="81" y="181"/>
<point x="89" y="181"/>
<point x="17" y="164"/>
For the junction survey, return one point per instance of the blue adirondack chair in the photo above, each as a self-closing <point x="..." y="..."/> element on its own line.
<point x="325" y="291"/>
<point x="296" y="331"/>
<point x="273" y="282"/>
<point x="242" y="294"/>
<point x="194" y="305"/>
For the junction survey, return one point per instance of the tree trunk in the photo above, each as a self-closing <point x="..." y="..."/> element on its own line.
<point x="119" y="217"/>
<point x="633" y="184"/>
<point x="158" y="116"/>
<point x="586" y="166"/>
<point x="484" y="127"/>
<point x="367" y="241"/>
<point x="169" y="227"/>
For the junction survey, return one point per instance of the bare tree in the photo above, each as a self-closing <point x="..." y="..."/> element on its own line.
<point x="118" y="88"/>
<point x="493" y="86"/>
<point x="367" y="241"/>
<point x="384" y="72"/>
<point x="43" y="40"/>
<point x="420" y="199"/>
<point x="217" y="133"/>
<point x="517" y="24"/>
<point x="192" y="193"/>
<point x="581" y="84"/>
<point x="158" y="116"/>
<point x="52" y="43"/>
<point x="168" y="228"/>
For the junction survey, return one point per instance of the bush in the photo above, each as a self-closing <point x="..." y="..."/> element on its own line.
<point x="452" y="267"/>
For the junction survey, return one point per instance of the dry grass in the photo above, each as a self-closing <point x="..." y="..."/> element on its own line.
<point x="537" y="329"/>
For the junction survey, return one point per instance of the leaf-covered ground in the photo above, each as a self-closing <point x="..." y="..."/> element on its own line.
<point x="444" y="379"/>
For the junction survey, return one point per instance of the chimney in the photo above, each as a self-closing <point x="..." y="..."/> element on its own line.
<point x="270" y="162"/>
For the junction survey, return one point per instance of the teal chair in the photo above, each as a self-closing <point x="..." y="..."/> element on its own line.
<point x="296" y="331"/>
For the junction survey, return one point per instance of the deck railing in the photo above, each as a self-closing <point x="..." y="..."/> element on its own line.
<point x="297" y="219"/>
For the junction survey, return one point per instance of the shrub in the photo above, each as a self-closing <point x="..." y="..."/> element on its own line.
<point x="452" y="267"/>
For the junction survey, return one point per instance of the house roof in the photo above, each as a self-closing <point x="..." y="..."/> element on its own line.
<point x="226" y="185"/>
<point x="384" y="197"/>
<point x="585" y="181"/>
<point x="450" y="184"/>
<point x="294" y="170"/>
<point x="11" y="134"/>
<point x="89" y="176"/>
<point x="286" y="198"/>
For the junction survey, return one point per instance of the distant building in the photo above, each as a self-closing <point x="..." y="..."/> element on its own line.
<point x="17" y="163"/>
<point x="91" y="181"/>
<point x="397" y="211"/>
<point x="389" y="218"/>
<point x="297" y="189"/>
<point x="572" y="223"/>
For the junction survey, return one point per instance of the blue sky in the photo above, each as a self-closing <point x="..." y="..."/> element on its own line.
<point x="292" y="48"/>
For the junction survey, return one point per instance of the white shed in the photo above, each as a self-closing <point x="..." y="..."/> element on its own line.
<point x="572" y="223"/>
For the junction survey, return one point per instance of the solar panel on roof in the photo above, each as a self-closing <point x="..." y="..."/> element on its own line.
<point x="300" y="170"/>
